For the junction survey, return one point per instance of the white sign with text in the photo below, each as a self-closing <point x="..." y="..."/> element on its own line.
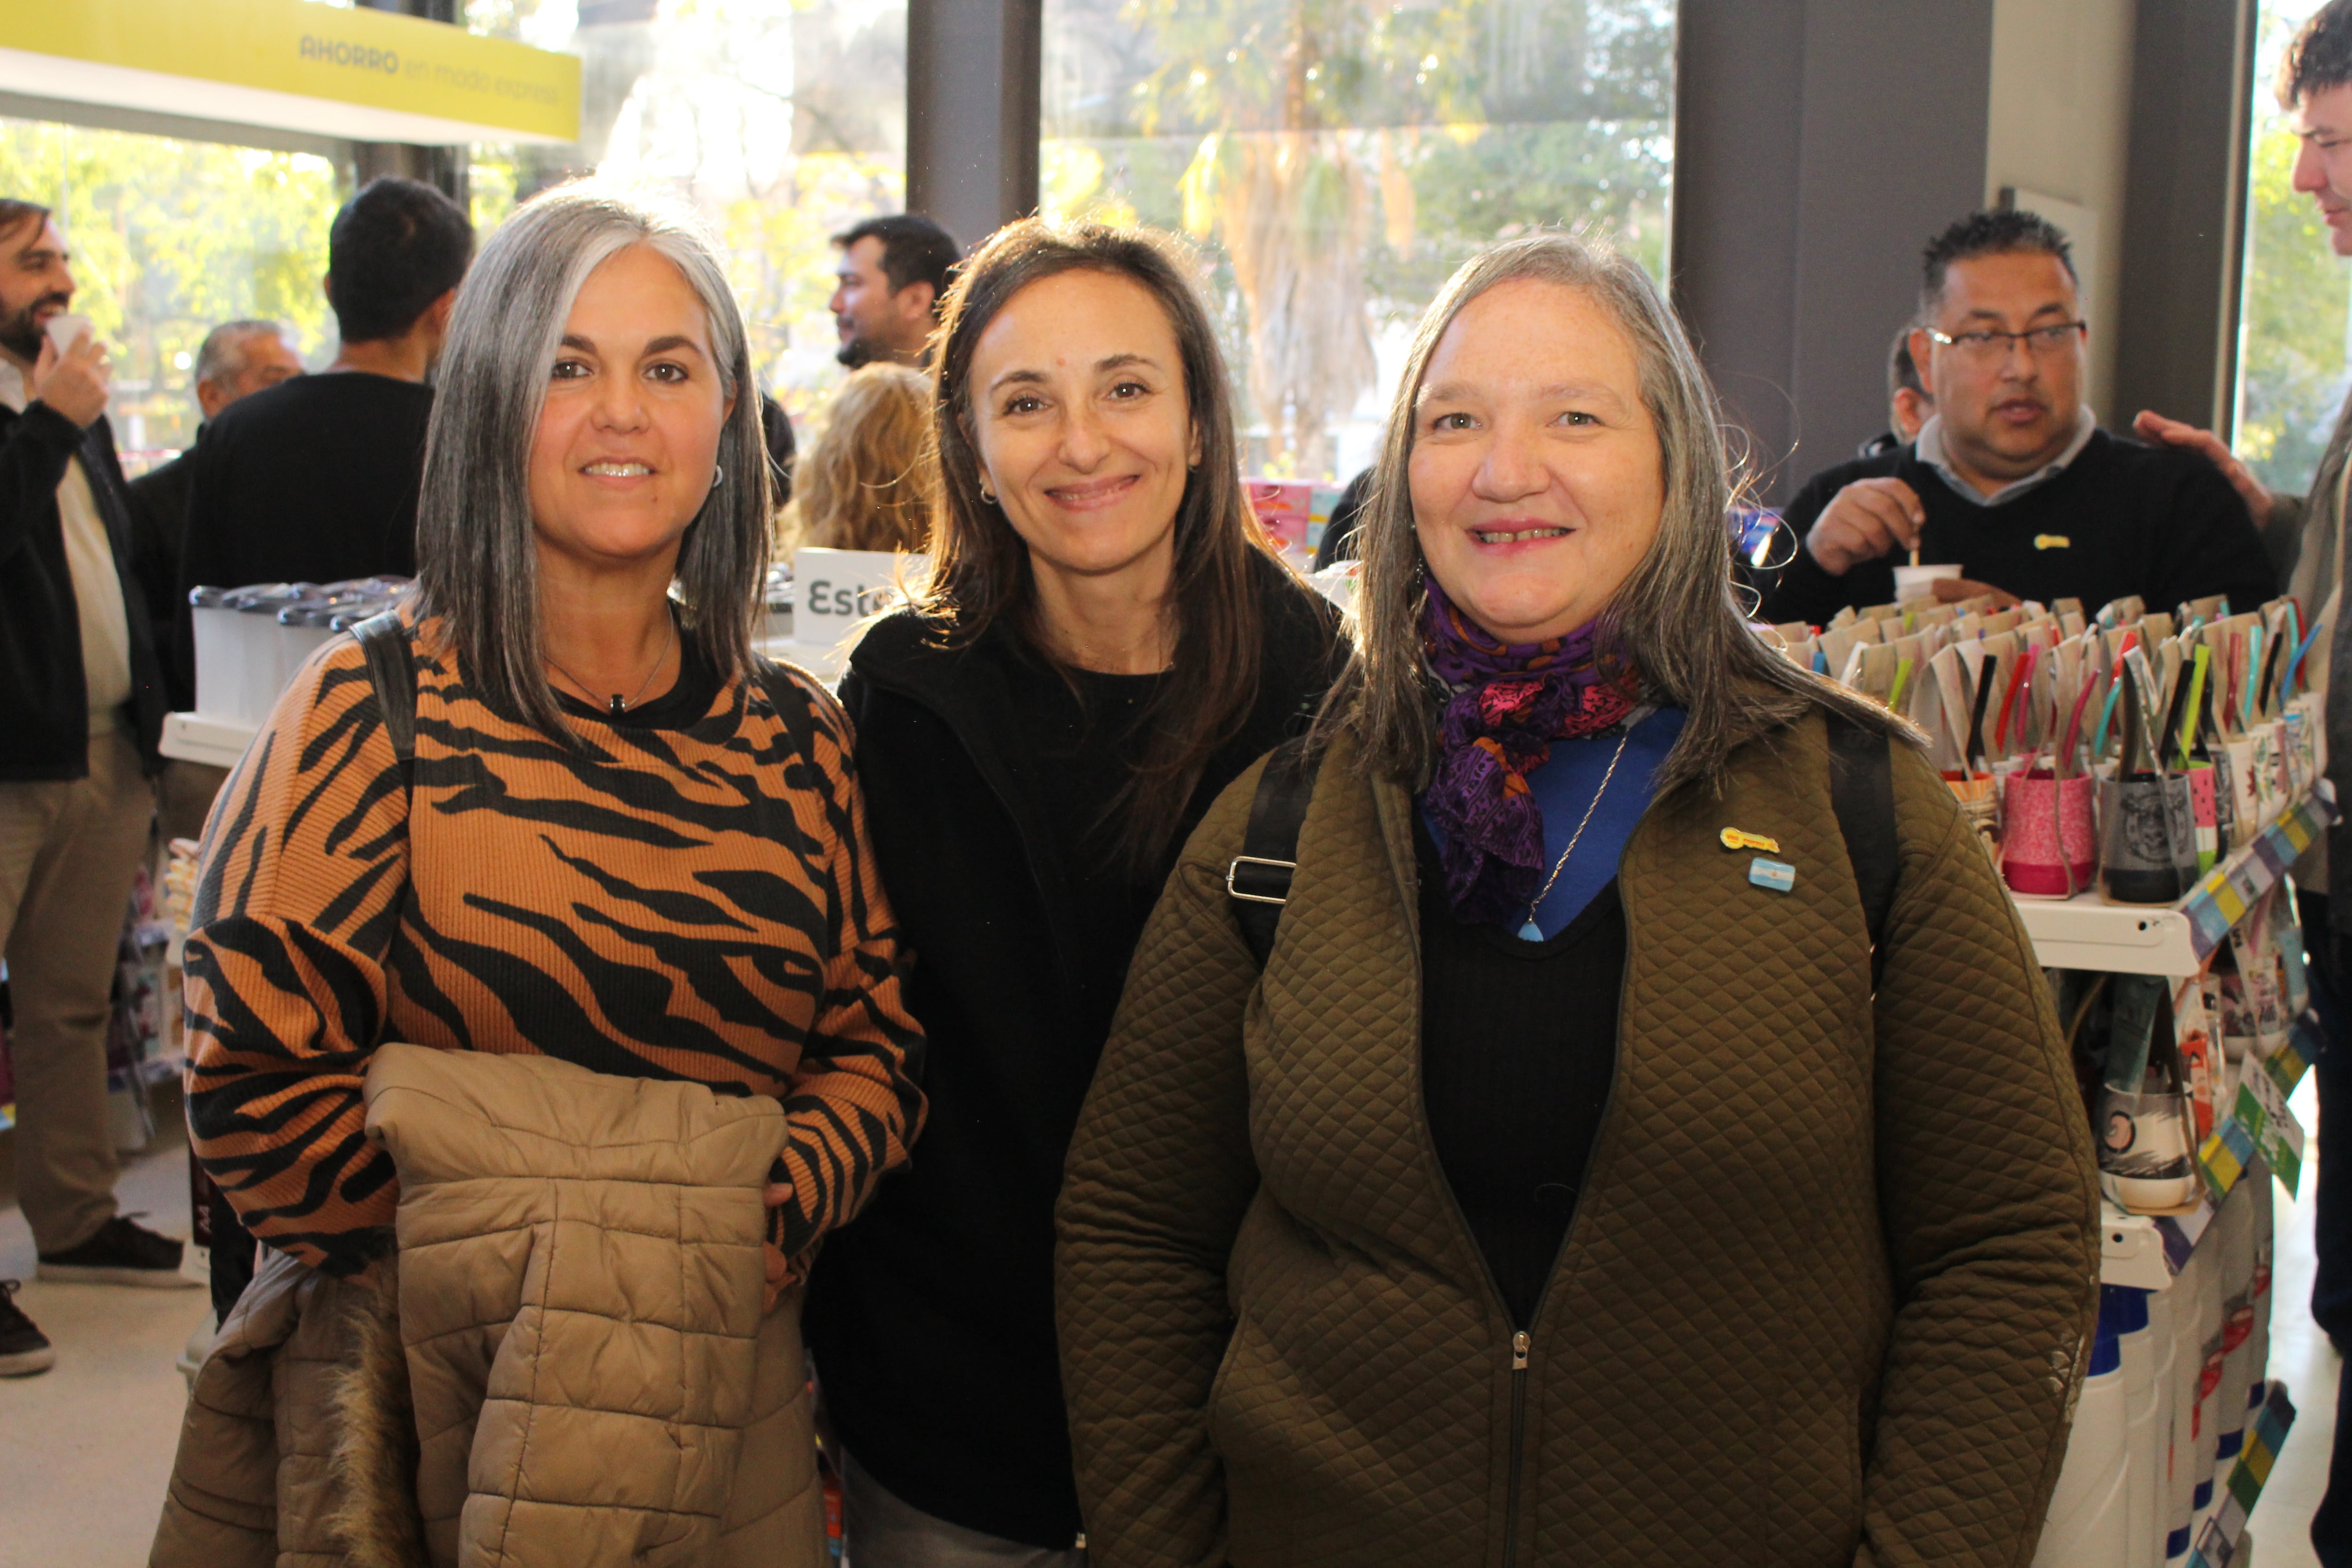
<point x="836" y="591"/>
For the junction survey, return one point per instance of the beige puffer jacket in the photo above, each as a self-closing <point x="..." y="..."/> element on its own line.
<point x="569" y="1365"/>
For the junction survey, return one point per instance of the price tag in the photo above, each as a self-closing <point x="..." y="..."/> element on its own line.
<point x="2277" y="1135"/>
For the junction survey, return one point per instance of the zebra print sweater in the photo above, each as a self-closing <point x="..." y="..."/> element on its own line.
<point x="689" y="897"/>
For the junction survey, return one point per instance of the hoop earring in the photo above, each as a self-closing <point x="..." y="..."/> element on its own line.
<point x="988" y="495"/>
<point x="718" y="478"/>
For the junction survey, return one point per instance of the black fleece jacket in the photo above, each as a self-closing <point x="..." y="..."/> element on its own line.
<point x="2122" y="519"/>
<point x="930" y="1318"/>
<point x="44" y="699"/>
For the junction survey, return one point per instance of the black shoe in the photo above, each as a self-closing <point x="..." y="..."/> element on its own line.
<point x="120" y="1253"/>
<point x="23" y="1349"/>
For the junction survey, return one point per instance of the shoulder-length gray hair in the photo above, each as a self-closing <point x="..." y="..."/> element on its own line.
<point x="477" y="564"/>
<point x="1675" y="620"/>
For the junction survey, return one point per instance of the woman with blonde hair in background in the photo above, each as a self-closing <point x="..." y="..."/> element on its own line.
<point x="871" y="479"/>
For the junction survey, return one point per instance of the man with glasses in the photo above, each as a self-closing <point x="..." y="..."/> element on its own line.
<point x="2012" y="478"/>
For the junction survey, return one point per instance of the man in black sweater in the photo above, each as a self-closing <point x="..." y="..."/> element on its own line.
<point x="2013" y="478"/>
<point x="316" y="479"/>
<point x="236" y="360"/>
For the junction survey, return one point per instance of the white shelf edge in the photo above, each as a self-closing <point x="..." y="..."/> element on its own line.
<point x="195" y="738"/>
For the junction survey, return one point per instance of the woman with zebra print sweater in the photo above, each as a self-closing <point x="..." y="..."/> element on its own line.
<point x="622" y="842"/>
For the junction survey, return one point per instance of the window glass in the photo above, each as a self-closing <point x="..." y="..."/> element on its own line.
<point x="169" y="238"/>
<point x="1334" y="160"/>
<point x="2292" y="347"/>
<point x="781" y="122"/>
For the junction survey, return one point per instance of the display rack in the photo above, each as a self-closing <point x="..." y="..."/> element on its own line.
<point x="2086" y="932"/>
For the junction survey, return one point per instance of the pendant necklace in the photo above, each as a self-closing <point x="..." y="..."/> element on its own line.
<point x="621" y="704"/>
<point x="1532" y="932"/>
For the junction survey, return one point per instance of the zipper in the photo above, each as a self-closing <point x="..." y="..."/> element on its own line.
<point x="1521" y="1342"/>
<point x="1406" y="875"/>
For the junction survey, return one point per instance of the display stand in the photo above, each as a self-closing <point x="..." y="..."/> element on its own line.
<point x="2165" y="1471"/>
<point x="2086" y="932"/>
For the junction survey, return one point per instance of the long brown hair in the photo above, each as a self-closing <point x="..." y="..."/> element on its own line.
<point x="871" y="479"/>
<point x="980" y="567"/>
<point x="1677" y="619"/>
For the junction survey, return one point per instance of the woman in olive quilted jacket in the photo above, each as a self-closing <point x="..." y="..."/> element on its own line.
<point x="1574" y="1181"/>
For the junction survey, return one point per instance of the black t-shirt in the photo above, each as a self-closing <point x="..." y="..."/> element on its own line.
<point x="314" y="480"/>
<point x="1518" y="1051"/>
<point x="2122" y="519"/>
<point x="1086" y="744"/>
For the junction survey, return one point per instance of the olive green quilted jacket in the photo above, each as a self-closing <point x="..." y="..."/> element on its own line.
<point x="1825" y="1296"/>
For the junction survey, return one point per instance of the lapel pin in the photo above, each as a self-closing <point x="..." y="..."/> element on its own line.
<point x="2053" y="542"/>
<point x="1777" y="875"/>
<point x="1733" y="839"/>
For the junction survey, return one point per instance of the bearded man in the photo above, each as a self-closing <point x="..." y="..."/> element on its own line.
<point x="81" y="706"/>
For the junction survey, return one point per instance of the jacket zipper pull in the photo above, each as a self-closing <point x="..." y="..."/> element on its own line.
<point x="1519" y="1344"/>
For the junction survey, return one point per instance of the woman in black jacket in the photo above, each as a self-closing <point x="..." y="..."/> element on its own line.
<point x="1107" y="641"/>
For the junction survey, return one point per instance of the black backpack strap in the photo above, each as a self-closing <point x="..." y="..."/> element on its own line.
<point x="789" y="699"/>
<point x="392" y="668"/>
<point x="1259" y="877"/>
<point x="1862" y="794"/>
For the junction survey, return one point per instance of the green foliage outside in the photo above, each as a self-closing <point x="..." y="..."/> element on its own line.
<point x="169" y="239"/>
<point x="2293" y="332"/>
<point x="2297" y="292"/>
<point x="1336" y="161"/>
<point x="2294" y="314"/>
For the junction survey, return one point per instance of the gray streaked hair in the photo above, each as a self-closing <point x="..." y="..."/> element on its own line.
<point x="1676" y="620"/>
<point x="477" y="564"/>
<point x="222" y="353"/>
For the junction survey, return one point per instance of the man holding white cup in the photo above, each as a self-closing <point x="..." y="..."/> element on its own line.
<point x="81" y="706"/>
<point x="2011" y="486"/>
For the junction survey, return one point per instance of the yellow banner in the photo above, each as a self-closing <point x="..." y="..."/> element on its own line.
<point x="377" y="58"/>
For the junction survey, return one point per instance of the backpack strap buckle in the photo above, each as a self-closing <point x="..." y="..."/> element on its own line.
<point x="1282" y="880"/>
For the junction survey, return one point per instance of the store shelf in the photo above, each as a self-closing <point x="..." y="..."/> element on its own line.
<point x="193" y="738"/>
<point x="2088" y="932"/>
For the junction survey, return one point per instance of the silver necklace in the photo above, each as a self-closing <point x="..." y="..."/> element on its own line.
<point x="1532" y="932"/>
<point x="621" y="704"/>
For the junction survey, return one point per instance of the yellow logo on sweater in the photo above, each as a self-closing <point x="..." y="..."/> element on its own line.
<point x="2053" y="542"/>
<point x="1736" y="838"/>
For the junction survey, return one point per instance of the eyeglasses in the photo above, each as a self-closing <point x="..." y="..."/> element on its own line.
<point x="1986" y="348"/>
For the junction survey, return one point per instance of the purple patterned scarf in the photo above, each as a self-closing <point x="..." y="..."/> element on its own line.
<point x="1510" y="701"/>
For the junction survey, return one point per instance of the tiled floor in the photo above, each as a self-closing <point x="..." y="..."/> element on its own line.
<point x="85" y="1449"/>
<point x="2301" y="1356"/>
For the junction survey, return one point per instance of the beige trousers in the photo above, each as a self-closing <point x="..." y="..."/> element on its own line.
<point x="67" y="850"/>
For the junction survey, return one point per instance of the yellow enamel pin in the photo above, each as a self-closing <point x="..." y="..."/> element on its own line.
<point x="2053" y="542"/>
<point x="1735" y="838"/>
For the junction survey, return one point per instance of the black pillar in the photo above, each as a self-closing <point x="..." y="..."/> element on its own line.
<point x="445" y="167"/>
<point x="1818" y="143"/>
<point x="2184" y="229"/>
<point x="971" y="112"/>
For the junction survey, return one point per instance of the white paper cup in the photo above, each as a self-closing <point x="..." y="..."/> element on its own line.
<point x="1919" y="582"/>
<point x="66" y="328"/>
